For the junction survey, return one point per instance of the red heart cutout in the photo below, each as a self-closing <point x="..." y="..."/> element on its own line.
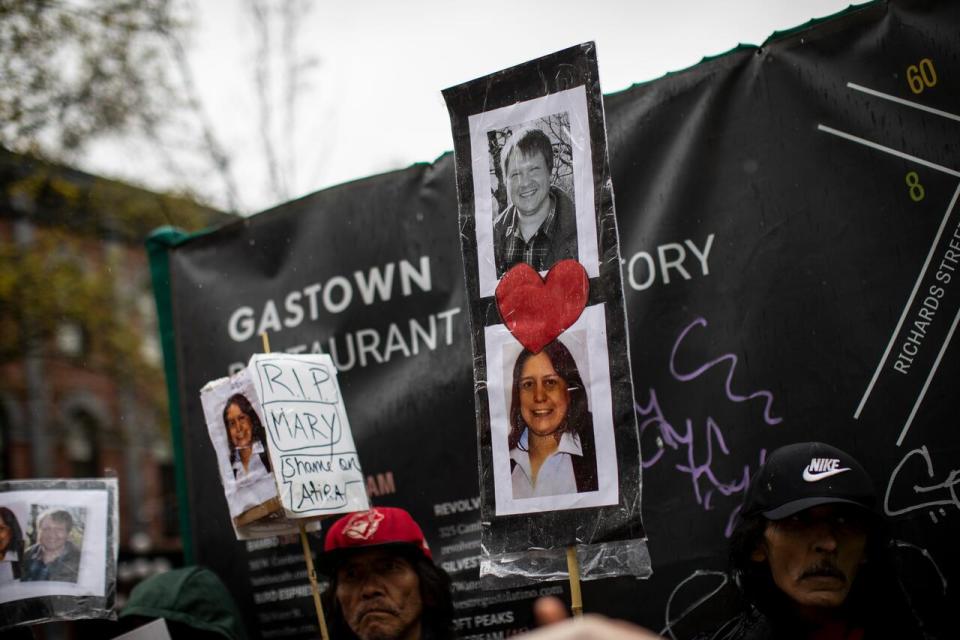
<point x="535" y="310"/>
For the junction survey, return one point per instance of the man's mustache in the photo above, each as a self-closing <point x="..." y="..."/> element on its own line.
<point x="824" y="570"/>
<point x="376" y="605"/>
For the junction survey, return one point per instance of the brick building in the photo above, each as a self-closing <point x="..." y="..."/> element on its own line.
<point x="81" y="374"/>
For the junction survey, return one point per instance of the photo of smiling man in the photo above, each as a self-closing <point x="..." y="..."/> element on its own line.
<point x="538" y="223"/>
<point x="56" y="554"/>
<point x="533" y="189"/>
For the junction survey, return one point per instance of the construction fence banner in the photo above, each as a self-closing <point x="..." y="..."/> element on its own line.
<point x="790" y="243"/>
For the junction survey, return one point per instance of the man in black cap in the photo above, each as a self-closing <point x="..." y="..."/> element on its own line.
<point x="810" y="554"/>
<point x="383" y="582"/>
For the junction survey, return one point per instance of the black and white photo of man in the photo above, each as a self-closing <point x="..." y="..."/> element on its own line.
<point x="539" y="225"/>
<point x="533" y="186"/>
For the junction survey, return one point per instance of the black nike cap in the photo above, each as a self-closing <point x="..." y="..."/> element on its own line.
<point x="807" y="474"/>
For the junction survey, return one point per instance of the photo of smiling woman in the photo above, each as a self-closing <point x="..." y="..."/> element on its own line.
<point x="11" y="546"/>
<point x="238" y="433"/>
<point x="551" y="439"/>
<point x="247" y="438"/>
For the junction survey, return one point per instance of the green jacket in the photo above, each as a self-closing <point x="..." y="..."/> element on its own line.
<point x="193" y="596"/>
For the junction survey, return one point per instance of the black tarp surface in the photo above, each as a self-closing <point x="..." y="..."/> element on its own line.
<point x="789" y="234"/>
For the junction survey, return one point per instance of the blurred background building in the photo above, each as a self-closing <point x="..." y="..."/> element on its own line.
<point x="82" y="390"/>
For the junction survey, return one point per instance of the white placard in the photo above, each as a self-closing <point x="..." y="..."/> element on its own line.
<point x="82" y="516"/>
<point x="586" y="342"/>
<point x="312" y="452"/>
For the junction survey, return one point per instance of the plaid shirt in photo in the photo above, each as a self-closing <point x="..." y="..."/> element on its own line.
<point x="535" y="251"/>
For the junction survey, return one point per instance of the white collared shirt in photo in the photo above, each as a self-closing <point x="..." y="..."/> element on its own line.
<point x="556" y="474"/>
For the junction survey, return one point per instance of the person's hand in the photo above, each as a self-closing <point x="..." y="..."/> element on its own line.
<point x="589" y="627"/>
<point x="549" y="610"/>
<point x="551" y="615"/>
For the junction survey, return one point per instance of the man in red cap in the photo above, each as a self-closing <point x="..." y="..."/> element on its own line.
<point x="383" y="582"/>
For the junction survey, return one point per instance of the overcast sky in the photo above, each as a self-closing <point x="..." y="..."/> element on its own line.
<point x="366" y="93"/>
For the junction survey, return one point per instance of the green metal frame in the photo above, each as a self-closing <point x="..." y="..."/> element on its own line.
<point x="159" y="243"/>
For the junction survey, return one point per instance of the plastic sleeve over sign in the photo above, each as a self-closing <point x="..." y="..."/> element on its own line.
<point x="77" y="522"/>
<point x="597" y="561"/>
<point x="558" y="293"/>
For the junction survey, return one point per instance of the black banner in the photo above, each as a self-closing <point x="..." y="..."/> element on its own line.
<point x="790" y="238"/>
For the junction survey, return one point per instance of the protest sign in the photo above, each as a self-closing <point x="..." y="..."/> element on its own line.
<point x="156" y="630"/>
<point x="311" y="445"/>
<point x="289" y="457"/>
<point x="59" y="555"/>
<point x="236" y="426"/>
<point x="558" y="443"/>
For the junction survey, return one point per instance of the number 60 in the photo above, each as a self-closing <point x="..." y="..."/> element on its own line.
<point x="921" y="75"/>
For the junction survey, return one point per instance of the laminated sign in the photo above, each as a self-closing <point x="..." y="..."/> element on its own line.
<point x="58" y="550"/>
<point x="558" y="445"/>
<point x="235" y="423"/>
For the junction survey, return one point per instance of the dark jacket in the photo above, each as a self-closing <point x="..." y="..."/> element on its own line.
<point x="878" y="608"/>
<point x="193" y="597"/>
<point x="585" y="466"/>
<point x="752" y="624"/>
<point x="65" y="568"/>
<point x="563" y="238"/>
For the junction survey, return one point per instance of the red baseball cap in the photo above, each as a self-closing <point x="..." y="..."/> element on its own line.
<point x="380" y="526"/>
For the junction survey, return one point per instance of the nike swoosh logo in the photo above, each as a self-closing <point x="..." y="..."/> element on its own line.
<point x="820" y="475"/>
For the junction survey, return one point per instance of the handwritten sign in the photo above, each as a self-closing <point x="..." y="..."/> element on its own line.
<point x="313" y="456"/>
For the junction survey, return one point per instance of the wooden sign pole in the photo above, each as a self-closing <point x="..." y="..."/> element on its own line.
<point x="573" y="568"/>
<point x="307" y="554"/>
<point x="314" y="587"/>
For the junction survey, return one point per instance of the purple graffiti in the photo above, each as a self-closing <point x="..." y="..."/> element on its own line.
<point x="652" y="416"/>
<point x="704" y="481"/>
<point x="728" y="357"/>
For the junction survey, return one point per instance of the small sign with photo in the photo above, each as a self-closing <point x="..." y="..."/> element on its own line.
<point x="235" y="423"/>
<point x="58" y="549"/>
